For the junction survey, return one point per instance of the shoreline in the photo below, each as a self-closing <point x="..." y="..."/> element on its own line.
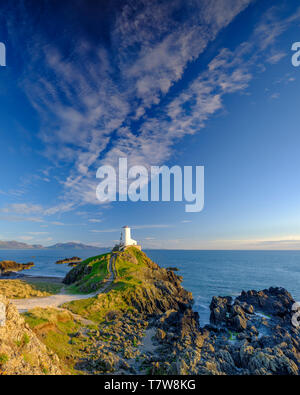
<point x="33" y="278"/>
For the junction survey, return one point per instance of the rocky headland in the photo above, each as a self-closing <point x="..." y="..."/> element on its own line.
<point x="140" y="320"/>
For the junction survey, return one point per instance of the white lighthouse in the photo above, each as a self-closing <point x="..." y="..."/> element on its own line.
<point x="126" y="240"/>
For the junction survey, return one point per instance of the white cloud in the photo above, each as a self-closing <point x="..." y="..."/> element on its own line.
<point x="28" y="209"/>
<point x="82" y="106"/>
<point x="37" y="233"/>
<point x="276" y="57"/>
<point x="229" y="72"/>
<point x="275" y="95"/>
<point x="167" y="45"/>
<point x="87" y="114"/>
<point x="57" y="223"/>
<point x="22" y="208"/>
<point x="26" y="238"/>
<point x="13" y="218"/>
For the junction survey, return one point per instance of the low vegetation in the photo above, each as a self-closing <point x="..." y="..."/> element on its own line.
<point x="88" y="276"/>
<point x="60" y="332"/>
<point x="22" y="289"/>
<point x="128" y="267"/>
<point x="3" y="359"/>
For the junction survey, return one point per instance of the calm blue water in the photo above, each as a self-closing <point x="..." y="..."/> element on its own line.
<point x="205" y="273"/>
<point x="44" y="260"/>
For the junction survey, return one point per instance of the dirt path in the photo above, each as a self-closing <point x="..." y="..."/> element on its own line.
<point x="24" y="305"/>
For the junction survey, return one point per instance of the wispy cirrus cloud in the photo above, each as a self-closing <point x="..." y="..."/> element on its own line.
<point x="28" y="208"/>
<point x="276" y="57"/>
<point x="38" y="233"/>
<point x="96" y="105"/>
<point x="87" y="102"/>
<point x="150" y="226"/>
<point x="229" y="72"/>
<point x="167" y="44"/>
<point x="22" y="208"/>
<point x="14" y="218"/>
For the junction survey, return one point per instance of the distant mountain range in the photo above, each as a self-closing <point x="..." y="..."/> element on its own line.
<point x="16" y="245"/>
<point x="70" y="246"/>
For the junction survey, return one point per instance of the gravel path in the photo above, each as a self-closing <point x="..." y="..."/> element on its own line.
<point x="24" y="305"/>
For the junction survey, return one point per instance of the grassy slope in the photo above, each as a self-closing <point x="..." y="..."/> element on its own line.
<point x="128" y="267"/>
<point x="91" y="282"/>
<point x="58" y="330"/>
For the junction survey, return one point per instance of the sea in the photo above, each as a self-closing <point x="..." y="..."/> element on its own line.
<point x="205" y="273"/>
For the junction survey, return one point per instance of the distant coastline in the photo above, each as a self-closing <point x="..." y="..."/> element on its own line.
<point x="16" y="245"/>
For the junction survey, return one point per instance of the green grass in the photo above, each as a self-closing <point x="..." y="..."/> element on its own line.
<point x="92" y="281"/>
<point x="49" y="287"/>
<point x="232" y="335"/>
<point x="3" y="359"/>
<point x="128" y="266"/>
<point x="57" y="330"/>
<point x="33" y="320"/>
<point x="23" y="342"/>
<point x="26" y="339"/>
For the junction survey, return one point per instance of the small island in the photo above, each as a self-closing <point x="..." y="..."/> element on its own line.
<point x="9" y="267"/>
<point x="74" y="261"/>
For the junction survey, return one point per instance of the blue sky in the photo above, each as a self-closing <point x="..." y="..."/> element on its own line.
<point x="199" y="82"/>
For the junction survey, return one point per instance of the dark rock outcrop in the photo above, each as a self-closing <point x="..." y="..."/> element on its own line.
<point x="12" y="266"/>
<point x="273" y="301"/>
<point x="246" y="337"/>
<point x="232" y="316"/>
<point x="75" y="260"/>
<point x="266" y="342"/>
<point x="76" y="273"/>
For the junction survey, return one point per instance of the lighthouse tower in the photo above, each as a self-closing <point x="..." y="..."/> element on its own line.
<point x="126" y="240"/>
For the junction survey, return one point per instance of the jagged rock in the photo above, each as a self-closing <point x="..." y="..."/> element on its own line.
<point x="239" y="323"/>
<point x="76" y="273"/>
<point x="274" y="301"/>
<point x="220" y="308"/>
<point x="21" y="351"/>
<point x="224" y="313"/>
<point x="160" y="334"/>
<point x="248" y="308"/>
